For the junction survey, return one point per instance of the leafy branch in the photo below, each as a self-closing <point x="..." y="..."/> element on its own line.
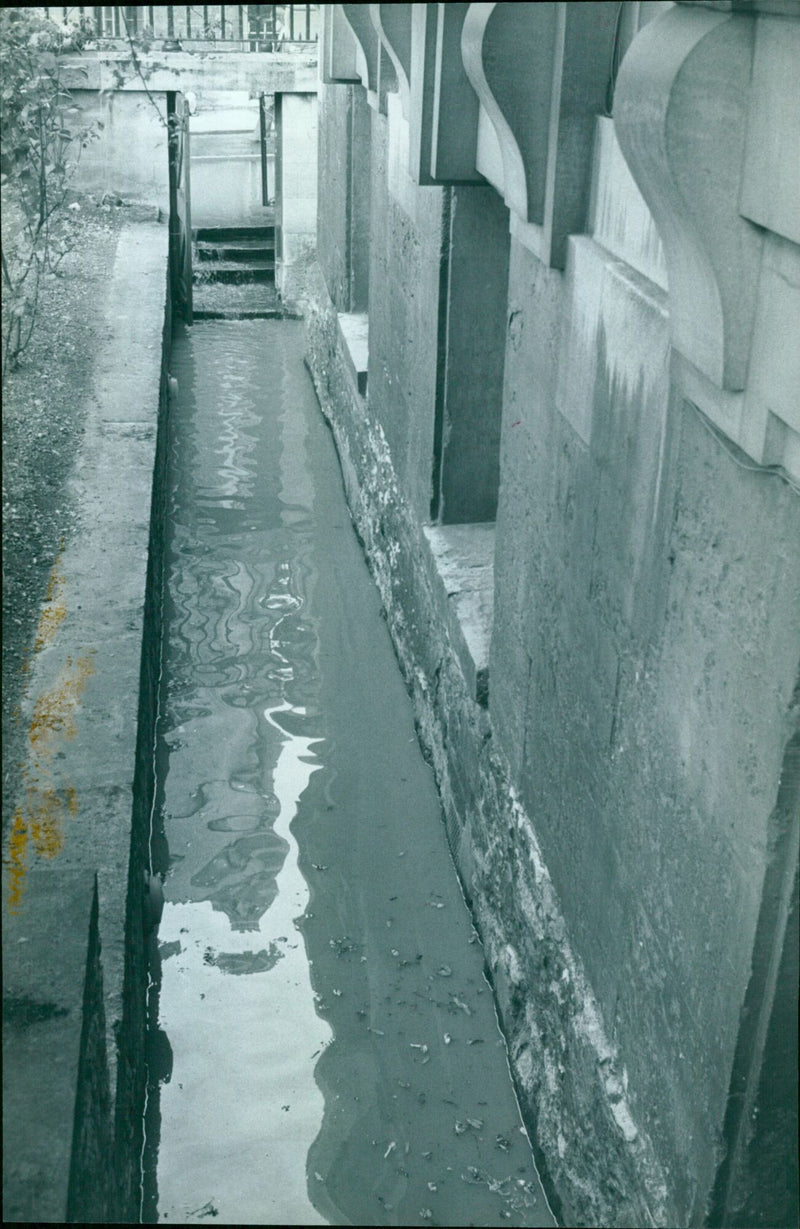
<point x="40" y="146"/>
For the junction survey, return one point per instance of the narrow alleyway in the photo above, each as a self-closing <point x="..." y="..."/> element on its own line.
<point x="324" y="1046"/>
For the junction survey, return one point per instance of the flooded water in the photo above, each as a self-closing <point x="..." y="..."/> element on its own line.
<point x="324" y="1046"/>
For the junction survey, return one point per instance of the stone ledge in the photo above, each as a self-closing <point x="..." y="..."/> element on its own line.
<point x="463" y="559"/>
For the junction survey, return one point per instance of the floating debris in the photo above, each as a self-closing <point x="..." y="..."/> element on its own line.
<point x="445" y="971"/>
<point x="447" y="1039"/>
<point x="390" y="1149"/>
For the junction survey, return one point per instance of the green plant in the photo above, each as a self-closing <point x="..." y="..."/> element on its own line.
<point x="41" y="138"/>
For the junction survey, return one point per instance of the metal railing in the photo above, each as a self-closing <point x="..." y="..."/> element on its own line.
<point x="190" y="27"/>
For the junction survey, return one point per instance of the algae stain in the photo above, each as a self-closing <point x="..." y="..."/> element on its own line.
<point x="39" y="824"/>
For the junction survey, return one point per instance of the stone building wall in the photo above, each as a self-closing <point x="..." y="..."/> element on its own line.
<point x="605" y="669"/>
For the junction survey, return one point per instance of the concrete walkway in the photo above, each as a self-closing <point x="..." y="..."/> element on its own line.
<point x="72" y="1067"/>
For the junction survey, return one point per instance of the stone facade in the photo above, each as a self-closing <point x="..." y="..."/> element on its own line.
<point x="552" y="327"/>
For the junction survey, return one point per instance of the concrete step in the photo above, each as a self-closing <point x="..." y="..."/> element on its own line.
<point x="234" y="272"/>
<point x="221" y="234"/>
<point x="226" y="301"/>
<point x="235" y="250"/>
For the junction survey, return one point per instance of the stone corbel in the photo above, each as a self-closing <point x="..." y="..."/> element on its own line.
<point x="454" y="118"/>
<point x="374" y="65"/>
<point x="423" y="73"/>
<point x="393" y="24"/>
<point x="541" y="74"/>
<point x="680" y="113"/>
<point x="339" y="48"/>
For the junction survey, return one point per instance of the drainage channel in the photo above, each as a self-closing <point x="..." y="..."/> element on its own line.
<point x="323" y="1043"/>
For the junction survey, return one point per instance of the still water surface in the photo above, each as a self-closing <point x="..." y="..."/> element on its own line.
<point x="324" y="1046"/>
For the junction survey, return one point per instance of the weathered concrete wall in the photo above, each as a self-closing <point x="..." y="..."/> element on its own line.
<point x="333" y="189"/>
<point x="633" y="574"/>
<point x="205" y="73"/>
<point x="296" y="192"/>
<point x="405" y="300"/>
<point x="129" y="156"/>
<point x="73" y="934"/>
<point x="620" y="816"/>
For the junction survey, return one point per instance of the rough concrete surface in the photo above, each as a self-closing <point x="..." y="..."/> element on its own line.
<point x="545" y="1003"/>
<point x="71" y="832"/>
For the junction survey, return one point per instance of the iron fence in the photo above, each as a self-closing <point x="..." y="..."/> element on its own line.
<point x="188" y="27"/>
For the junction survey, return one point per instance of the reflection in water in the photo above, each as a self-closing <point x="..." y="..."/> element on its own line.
<point x="235" y="997"/>
<point x="323" y="1043"/>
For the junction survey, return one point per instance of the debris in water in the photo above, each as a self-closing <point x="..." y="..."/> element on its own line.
<point x="460" y="1127"/>
<point x="423" y="1049"/>
<point x="319" y="1177"/>
<point x="447" y="1039"/>
<point x="502" y="1143"/>
<point x="391" y="1148"/>
<point x="432" y="1186"/>
<point x="426" y="1214"/>
<point x="318" y="866"/>
<point x="457" y="1002"/>
<point x="436" y="904"/>
<point x="445" y="971"/>
<point x="476" y="1041"/>
<point x="338" y="993"/>
<point x="207" y="1209"/>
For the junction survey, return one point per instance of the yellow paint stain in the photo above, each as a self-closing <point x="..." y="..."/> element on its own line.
<point x="17" y="851"/>
<point x="40" y="820"/>
<point x="54" y="611"/>
<point x="54" y="711"/>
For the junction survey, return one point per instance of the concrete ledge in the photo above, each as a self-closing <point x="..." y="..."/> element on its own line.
<point x="72" y="852"/>
<point x="463" y="556"/>
<point x="354" y="328"/>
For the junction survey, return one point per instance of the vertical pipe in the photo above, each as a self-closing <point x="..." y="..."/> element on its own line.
<point x="170" y="21"/>
<point x="222" y="22"/>
<point x="240" y="8"/>
<point x="291" y="23"/>
<point x="308" y="23"/>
